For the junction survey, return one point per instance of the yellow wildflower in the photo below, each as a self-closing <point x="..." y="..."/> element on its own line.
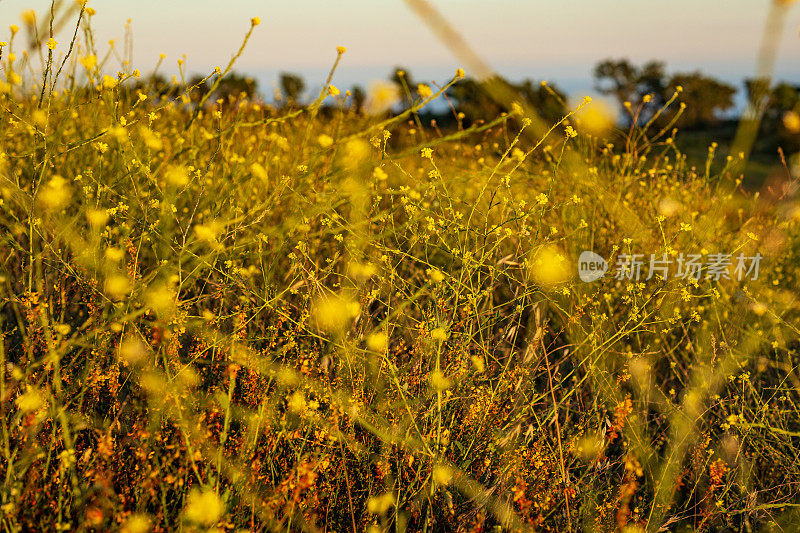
<point x="177" y="175"/>
<point x="378" y="342"/>
<point x="117" y="286"/>
<point x="380" y="504"/>
<point x="439" y="334"/>
<point x="29" y="17"/>
<point x="89" y="62"/>
<point x="383" y="95"/>
<point x="31" y="400"/>
<point x="436" y="275"/>
<point x="56" y="193"/>
<point x="549" y="266"/>
<point x="161" y="299"/>
<point x="442" y="474"/>
<point x="137" y="523"/>
<point x="259" y="171"/>
<point x="109" y="82"/>
<point x="333" y="313"/>
<point x="204" y="508"/>
<point x="424" y="90"/>
<point x="438" y="381"/>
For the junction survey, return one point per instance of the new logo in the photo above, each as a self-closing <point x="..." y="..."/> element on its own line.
<point x="591" y="266"/>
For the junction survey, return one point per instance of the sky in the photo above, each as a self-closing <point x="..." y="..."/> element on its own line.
<point x="556" y="40"/>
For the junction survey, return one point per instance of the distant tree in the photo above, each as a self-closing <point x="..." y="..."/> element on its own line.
<point x="402" y="77"/>
<point x="232" y="86"/>
<point x="774" y="101"/>
<point x="292" y="86"/>
<point x="200" y="87"/>
<point x="235" y="85"/>
<point x="785" y="96"/>
<point x="156" y="84"/>
<point x="618" y="78"/>
<point x="777" y="104"/>
<point x="629" y="83"/>
<point x="651" y="81"/>
<point x="547" y="100"/>
<point x="784" y="108"/>
<point x="359" y="96"/>
<point x="474" y="101"/>
<point x="705" y="98"/>
<point x="758" y="92"/>
<point x="406" y="86"/>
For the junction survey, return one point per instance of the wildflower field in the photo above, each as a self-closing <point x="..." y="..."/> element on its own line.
<point x="225" y="314"/>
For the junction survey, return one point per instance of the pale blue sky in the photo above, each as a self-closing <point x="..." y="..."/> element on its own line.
<point x="550" y="39"/>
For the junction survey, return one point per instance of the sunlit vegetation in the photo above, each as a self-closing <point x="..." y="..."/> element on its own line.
<point x="220" y="313"/>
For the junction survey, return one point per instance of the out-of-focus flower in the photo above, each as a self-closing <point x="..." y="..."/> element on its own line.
<point x="204" y="508"/>
<point x="383" y="95"/>
<point x="424" y="91"/>
<point x="791" y="121"/>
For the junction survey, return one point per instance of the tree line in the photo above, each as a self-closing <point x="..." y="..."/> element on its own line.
<point x="708" y="101"/>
